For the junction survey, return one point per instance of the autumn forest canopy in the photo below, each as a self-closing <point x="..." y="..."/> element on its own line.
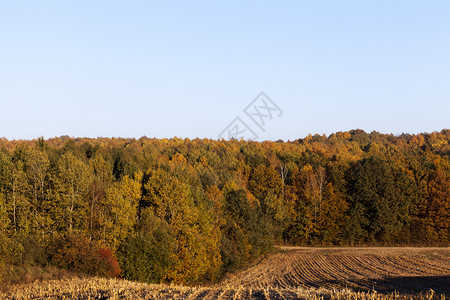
<point x="188" y="211"/>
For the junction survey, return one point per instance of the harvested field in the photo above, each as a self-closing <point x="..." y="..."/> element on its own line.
<point x="294" y="273"/>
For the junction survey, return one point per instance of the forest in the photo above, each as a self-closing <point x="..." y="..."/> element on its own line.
<point x="189" y="211"/>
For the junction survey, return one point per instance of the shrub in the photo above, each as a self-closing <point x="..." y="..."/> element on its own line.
<point x="29" y="250"/>
<point x="113" y="268"/>
<point x="4" y="242"/>
<point x="77" y="253"/>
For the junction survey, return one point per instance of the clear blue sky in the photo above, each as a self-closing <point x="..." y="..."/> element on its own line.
<point x="188" y="68"/>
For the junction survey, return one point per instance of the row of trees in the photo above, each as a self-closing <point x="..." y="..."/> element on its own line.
<point x="189" y="210"/>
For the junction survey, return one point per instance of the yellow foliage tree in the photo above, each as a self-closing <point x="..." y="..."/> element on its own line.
<point x="120" y="209"/>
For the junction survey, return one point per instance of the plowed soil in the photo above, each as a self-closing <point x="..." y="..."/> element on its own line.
<point x="381" y="269"/>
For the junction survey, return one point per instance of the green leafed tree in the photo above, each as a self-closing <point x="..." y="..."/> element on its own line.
<point x="377" y="186"/>
<point x="72" y="183"/>
<point x="37" y="171"/>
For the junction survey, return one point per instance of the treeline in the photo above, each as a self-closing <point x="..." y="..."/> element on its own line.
<point x="188" y="211"/>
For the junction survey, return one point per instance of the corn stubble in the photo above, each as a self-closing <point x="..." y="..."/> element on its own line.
<point x="293" y="273"/>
